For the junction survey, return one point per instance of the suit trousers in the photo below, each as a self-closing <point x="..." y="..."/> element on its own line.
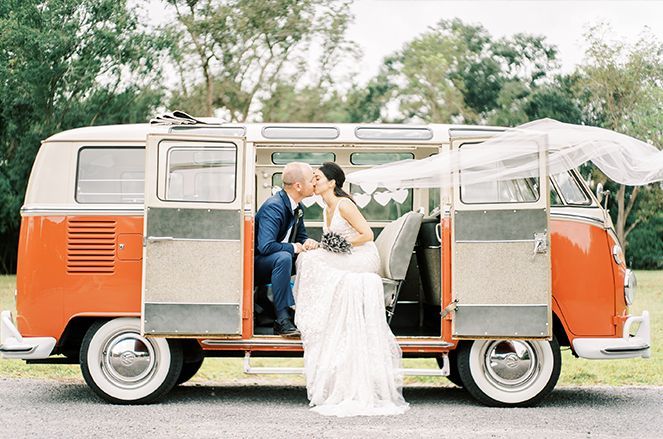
<point x="276" y="268"/>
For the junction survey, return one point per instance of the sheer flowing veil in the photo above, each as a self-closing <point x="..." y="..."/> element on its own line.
<point x="515" y="154"/>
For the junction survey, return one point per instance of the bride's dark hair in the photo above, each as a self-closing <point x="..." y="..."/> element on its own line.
<point x="334" y="172"/>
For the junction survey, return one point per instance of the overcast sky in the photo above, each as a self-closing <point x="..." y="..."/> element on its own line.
<point x="383" y="26"/>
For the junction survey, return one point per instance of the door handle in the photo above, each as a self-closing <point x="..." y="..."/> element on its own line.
<point x="159" y="238"/>
<point x="540" y="243"/>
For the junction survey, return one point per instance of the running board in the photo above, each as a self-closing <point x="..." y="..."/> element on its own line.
<point x="273" y="341"/>
<point x="248" y="369"/>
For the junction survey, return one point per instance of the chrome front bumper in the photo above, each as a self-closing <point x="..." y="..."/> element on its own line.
<point x="638" y="345"/>
<point x="14" y="346"/>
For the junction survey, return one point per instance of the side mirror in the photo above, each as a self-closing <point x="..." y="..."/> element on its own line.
<point x="599" y="192"/>
<point x="602" y="195"/>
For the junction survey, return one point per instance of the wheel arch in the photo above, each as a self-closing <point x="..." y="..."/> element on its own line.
<point x="71" y="339"/>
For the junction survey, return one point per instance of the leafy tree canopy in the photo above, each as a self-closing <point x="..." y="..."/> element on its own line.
<point x="65" y="63"/>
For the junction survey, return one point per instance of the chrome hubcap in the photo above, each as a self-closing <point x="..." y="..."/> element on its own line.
<point x="128" y="360"/>
<point x="511" y="364"/>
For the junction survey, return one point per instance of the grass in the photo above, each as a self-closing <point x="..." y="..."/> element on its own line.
<point x="575" y="371"/>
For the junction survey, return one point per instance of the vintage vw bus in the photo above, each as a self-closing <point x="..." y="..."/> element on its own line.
<point x="136" y="258"/>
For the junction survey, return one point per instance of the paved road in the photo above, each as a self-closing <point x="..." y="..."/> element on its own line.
<point x="38" y="408"/>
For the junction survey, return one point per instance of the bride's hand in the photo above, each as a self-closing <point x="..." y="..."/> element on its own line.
<point x="310" y="244"/>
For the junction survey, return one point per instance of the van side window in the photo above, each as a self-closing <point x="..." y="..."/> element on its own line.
<point x="555" y="199"/>
<point x="110" y="175"/>
<point x="570" y="189"/>
<point x="312" y="158"/>
<point x="205" y="174"/>
<point x="517" y="190"/>
<point x="382" y="204"/>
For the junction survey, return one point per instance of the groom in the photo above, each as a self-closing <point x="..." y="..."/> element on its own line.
<point x="280" y="235"/>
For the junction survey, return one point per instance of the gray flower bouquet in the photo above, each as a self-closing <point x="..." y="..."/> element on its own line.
<point x="335" y="243"/>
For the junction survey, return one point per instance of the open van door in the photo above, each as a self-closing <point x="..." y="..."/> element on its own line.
<point x="501" y="271"/>
<point x="193" y="253"/>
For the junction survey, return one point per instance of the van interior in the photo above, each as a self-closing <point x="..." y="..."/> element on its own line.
<point x="418" y="305"/>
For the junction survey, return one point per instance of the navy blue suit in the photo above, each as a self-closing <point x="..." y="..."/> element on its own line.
<point x="274" y="259"/>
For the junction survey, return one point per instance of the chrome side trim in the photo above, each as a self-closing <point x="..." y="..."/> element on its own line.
<point x="81" y="212"/>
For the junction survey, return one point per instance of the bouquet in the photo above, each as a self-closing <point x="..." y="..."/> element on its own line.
<point x="335" y="243"/>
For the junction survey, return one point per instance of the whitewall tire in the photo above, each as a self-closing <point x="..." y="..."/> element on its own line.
<point x="508" y="373"/>
<point x="124" y="367"/>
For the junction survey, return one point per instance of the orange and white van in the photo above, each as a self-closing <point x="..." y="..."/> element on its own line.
<point x="136" y="258"/>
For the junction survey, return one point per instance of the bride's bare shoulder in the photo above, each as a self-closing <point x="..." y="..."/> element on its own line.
<point x="349" y="210"/>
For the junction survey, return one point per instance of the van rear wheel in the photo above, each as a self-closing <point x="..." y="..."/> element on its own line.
<point x="123" y="367"/>
<point x="509" y="373"/>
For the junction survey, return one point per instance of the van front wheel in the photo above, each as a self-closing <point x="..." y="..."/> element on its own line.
<point x="123" y="367"/>
<point x="509" y="373"/>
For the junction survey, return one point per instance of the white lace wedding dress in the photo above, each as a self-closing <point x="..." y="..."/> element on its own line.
<point x="352" y="360"/>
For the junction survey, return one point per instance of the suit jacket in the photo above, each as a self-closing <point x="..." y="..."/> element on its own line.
<point x="273" y="220"/>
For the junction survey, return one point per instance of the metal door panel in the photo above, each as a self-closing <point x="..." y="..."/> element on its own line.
<point x="193" y="251"/>
<point x="501" y="275"/>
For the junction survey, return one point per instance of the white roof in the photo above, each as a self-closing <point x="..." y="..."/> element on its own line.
<point x="432" y="133"/>
<point x="129" y="132"/>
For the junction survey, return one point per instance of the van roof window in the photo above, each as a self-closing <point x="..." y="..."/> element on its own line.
<point x="394" y="133"/>
<point x="273" y="132"/>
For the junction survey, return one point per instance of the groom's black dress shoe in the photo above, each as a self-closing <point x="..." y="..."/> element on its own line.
<point x="286" y="328"/>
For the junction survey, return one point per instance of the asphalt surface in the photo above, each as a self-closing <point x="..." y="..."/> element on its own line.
<point x="42" y="408"/>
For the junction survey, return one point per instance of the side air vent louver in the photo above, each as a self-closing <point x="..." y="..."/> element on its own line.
<point x="90" y="246"/>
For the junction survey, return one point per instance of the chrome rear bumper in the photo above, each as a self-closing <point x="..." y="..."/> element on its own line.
<point x="14" y="346"/>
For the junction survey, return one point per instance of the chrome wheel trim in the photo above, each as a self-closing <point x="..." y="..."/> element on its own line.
<point x="511" y="365"/>
<point x="127" y="359"/>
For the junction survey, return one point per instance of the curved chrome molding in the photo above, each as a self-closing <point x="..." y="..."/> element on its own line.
<point x="587" y="219"/>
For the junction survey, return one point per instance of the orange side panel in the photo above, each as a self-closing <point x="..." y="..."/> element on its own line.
<point x="582" y="277"/>
<point x="70" y="266"/>
<point x="446" y="277"/>
<point x="247" y="312"/>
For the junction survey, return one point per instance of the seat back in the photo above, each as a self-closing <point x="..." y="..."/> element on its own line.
<point x="396" y="243"/>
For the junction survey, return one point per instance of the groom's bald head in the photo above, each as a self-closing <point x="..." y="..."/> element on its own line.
<point x="296" y="172"/>
<point x="298" y="180"/>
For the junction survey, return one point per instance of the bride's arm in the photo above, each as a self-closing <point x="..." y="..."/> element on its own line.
<point x="351" y="214"/>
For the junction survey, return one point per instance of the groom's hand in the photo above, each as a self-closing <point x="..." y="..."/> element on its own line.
<point x="299" y="248"/>
<point x="310" y="244"/>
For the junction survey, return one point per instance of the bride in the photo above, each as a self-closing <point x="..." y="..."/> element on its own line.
<point x="351" y="358"/>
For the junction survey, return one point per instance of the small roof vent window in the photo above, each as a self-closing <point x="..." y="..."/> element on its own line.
<point x="271" y="132"/>
<point x="374" y="133"/>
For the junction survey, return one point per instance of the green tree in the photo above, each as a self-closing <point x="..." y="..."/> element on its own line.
<point x="65" y="63"/>
<point x="556" y="99"/>
<point x="621" y="89"/>
<point x="241" y="48"/>
<point x="322" y="103"/>
<point x="457" y="72"/>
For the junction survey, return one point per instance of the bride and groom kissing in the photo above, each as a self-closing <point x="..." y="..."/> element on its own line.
<point x="351" y="357"/>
